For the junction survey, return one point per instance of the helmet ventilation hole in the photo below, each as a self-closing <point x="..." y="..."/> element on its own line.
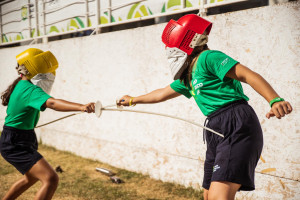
<point x="185" y="44"/>
<point x="167" y="33"/>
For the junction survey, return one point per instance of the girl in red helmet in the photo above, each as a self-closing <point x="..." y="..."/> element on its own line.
<point x="213" y="79"/>
<point x="25" y="98"/>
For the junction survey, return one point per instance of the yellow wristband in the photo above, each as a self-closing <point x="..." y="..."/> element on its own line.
<point x="130" y="102"/>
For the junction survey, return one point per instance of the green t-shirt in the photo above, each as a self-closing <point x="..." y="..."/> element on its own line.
<point x="210" y="88"/>
<point x="24" y="106"/>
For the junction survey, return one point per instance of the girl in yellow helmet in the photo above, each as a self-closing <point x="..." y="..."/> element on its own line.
<point x="24" y="101"/>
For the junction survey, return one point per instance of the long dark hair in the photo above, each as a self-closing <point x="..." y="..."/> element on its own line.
<point x="186" y="75"/>
<point x="6" y="94"/>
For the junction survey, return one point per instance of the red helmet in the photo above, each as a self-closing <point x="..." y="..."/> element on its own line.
<point x="180" y="34"/>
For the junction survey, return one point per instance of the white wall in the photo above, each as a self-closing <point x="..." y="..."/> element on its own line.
<point x="106" y="66"/>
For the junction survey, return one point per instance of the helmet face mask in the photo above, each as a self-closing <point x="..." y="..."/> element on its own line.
<point x="168" y="37"/>
<point x="181" y="33"/>
<point x="184" y="35"/>
<point x="36" y="62"/>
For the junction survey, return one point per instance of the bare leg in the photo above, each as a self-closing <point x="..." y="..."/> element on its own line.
<point x="222" y="190"/>
<point x="40" y="171"/>
<point x="19" y="187"/>
<point x="205" y="194"/>
<point x="45" y="173"/>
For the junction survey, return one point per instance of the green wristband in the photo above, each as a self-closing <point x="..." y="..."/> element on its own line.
<point x="277" y="99"/>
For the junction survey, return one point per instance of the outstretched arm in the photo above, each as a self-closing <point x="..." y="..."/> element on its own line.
<point x="155" y="96"/>
<point x="260" y="85"/>
<point x="64" y="106"/>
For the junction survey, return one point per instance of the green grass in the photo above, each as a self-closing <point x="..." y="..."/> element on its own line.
<point x="81" y="181"/>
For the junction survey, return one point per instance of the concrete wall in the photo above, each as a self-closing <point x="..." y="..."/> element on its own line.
<point x="106" y="66"/>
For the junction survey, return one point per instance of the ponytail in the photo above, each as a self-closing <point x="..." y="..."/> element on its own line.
<point x="5" y="96"/>
<point x="186" y="75"/>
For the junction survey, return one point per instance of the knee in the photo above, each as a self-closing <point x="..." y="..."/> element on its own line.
<point x="26" y="181"/>
<point x="52" y="178"/>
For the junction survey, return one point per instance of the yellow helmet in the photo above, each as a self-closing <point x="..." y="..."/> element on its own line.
<point x="36" y="61"/>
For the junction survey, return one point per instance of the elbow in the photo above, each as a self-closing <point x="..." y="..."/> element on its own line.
<point x="50" y="103"/>
<point x="251" y="78"/>
<point x="160" y="98"/>
<point x="165" y="94"/>
<point x="243" y="79"/>
<point x="156" y="99"/>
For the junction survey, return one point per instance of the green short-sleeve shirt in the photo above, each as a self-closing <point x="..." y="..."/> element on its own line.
<point x="210" y="87"/>
<point x="25" y="104"/>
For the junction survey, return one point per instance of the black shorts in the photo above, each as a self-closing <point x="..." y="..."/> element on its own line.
<point x="234" y="157"/>
<point x="19" y="148"/>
